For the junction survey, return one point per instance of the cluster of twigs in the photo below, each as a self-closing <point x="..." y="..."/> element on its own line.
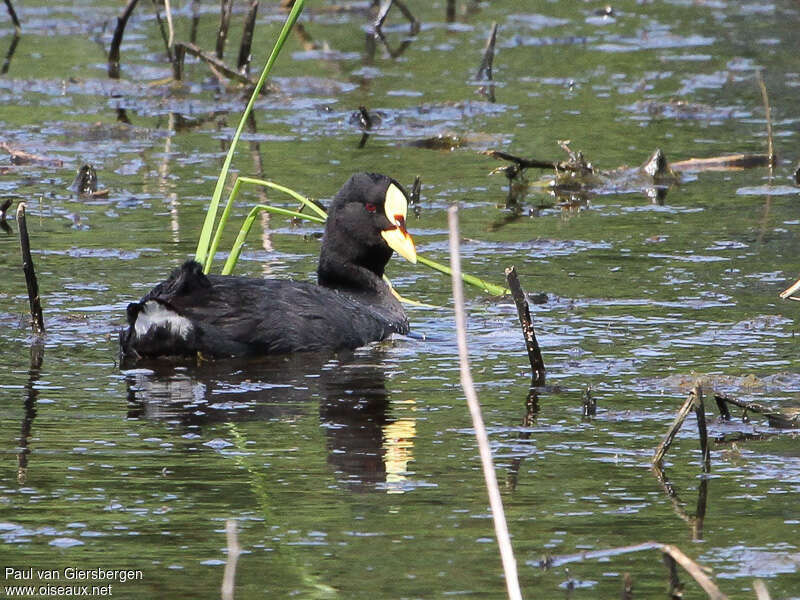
<point x="176" y="51"/>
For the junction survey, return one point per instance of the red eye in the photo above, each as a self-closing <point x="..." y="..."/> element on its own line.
<point x="370" y="207"/>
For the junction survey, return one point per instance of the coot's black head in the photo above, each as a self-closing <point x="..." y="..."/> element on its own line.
<point x="366" y="222"/>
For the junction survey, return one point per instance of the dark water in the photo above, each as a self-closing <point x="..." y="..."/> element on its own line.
<point x="357" y="476"/>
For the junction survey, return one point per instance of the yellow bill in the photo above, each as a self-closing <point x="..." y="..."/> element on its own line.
<point x="398" y="238"/>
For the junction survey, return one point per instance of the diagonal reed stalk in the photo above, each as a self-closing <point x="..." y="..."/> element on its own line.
<point x="202" y="253"/>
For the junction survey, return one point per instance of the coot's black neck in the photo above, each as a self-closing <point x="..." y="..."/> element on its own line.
<point x="350" y="265"/>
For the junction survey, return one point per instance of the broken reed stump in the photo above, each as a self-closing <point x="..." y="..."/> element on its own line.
<point x="37" y="319"/>
<point x="531" y="343"/>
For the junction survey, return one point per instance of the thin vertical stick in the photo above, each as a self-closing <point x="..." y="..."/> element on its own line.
<point x="167" y="36"/>
<point x="226" y="6"/>
<point x="37" y="319"/>
<point x="700" y="413"/>
<point x="485" y="70"/>
<point x="768" y="114"/>
<point x="234" y="550"/>
<point x="496" y="503"/>
<point x="116" y="40"/>
<point x="529" y="333"/>
<point x="243" y="64"/>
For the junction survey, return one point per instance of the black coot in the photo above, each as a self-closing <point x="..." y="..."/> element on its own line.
<point x="217" y="315"/>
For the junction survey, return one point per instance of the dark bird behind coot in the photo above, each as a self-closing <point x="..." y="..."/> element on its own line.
<point x="222" y="315"/>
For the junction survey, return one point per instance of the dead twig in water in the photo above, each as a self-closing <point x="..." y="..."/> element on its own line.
<point x="116" y="40"/>
<point x="531" y="343"/>
<point x="12" y="48"/>
<point x="217" y="66"/>
<point x="226" y="7"/>
<point x="733" y="162"/>
<point x="695" y="570"/>
<point x="495" y="501"/>
<point x="37" y="319"/>
<point x="700" y="413"/>
<point x="695" y="397"/>
<point x="485" y="70"/>
<point x="167" y="35"/>
<point x="377" y="26"/>
<point x="243" y="64"/>
<point x="234" y="550"/>
<point x="768" y="115"/>
<point x="13" y="14"/>
<point x="673" y="556"/>
<point x="3" y="209"/>
<point x="788" y="419"/>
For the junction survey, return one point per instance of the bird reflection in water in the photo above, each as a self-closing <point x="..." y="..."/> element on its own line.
<point x="367" y="447"/>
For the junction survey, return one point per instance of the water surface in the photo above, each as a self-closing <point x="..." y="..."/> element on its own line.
<point x="357" y="476"/>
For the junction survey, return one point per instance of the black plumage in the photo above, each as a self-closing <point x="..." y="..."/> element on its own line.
<point x="218" y="315"/>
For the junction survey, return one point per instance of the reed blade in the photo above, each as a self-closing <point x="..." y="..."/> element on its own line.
<point x="203" y="244"/>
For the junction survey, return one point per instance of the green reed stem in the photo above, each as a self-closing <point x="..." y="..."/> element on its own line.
<point x="489" y="288"/>
<point x="201" y="254"/>
<point x="248" y="224"/>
